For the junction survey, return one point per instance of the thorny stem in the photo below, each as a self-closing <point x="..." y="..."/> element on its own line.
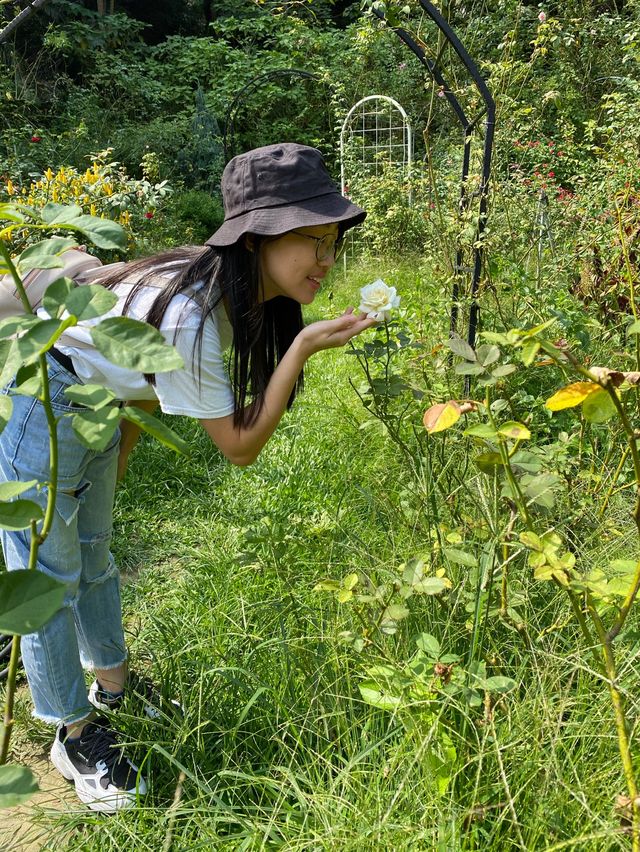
<point x="607" y="637"/>
<point x="505" y="560"/>
<point x="621" y="722"/>
<point x="504" y="455"/>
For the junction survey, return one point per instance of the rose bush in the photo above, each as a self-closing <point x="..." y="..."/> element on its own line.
<point x="377" y="300"/>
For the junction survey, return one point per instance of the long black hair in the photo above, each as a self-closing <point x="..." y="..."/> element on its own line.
<point x="262" y="331"/>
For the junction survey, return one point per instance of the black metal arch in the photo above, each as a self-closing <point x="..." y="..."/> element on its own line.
<point x="468" y="128"/>
<point x="254" y="83"/>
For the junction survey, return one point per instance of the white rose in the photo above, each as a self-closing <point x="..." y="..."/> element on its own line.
<point x="377" y="300"/>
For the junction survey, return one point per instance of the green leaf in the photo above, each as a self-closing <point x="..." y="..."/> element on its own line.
<point x="91" y="396"/>
<point x="55" y="296"/>
<point x="102" y="232"/>
<point x="531" y="540"/>
<point x="487" y="354"/>
<point x="13" y="488"/>
<point x="6" y="407"/>
<point x="598" y="407"/>
<point x="10" y="213"/>
<point x="350" y="581"/>
<point x="18" y="514"/>
<point x="413" y="571"/>
<point x="526" y="462"/>
<point x="499" y="684"/>
<point x="53" y="213"/>
<point x="634" y="328"/>
<point x="482" y="430"/>
<point x="530" y="349"/>
<point x="135" y="345"/>
<point x="28" y="599"/>
<point x="488" y="462"/>
<point x="503" y="370"/>
<point x="466" y="369"/>
<point x="38" y="340"/>
<point x="17" y="785"/>
<point x="373" y="695"/>
<point x="395" y="612"/>
<point x="429" y="644"/>
<point x="459" y="557"/>
<point x="95" y="429"/>
<point x="157" y="429"/>
<point x="539" y="489"/>
<point x="90" y="301"/>
<point x="327" y="586"/>
<point x="17" y="324"/>
<point x="44" y="255"/>
<point x="431" y="586"/>
<point x="344" y="595"/>
<point x="460" y="347"/>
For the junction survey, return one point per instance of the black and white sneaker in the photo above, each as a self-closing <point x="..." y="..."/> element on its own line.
<point x="105" y="779"/>
<point x="139" y="690"/>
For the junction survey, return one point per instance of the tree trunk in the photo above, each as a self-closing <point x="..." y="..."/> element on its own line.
<point x="19" y="19"/>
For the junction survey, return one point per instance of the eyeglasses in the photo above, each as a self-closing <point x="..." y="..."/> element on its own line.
<point x="326" y="247"/>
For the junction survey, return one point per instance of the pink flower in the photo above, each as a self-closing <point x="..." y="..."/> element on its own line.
<point x="148" y="215"/>
<point x="542" y="17"/>
<point x="441" y="93"/>
<point x="36" y="139"/>
<point x="551" y="174"/>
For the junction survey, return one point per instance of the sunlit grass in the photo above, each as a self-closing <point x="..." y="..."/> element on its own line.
<point x="276" y="749"/>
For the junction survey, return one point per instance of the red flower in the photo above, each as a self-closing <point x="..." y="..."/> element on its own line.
<point x="552" y="174"/>
<point x="36" y="138"/>
<point x="148" y="215"/>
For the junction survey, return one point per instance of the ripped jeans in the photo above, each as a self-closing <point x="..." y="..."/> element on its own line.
<point x="87" y="631"/>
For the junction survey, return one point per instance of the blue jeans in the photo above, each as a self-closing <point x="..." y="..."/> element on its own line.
<point x="87" y="630"/>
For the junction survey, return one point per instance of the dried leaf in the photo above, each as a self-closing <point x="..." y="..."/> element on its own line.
<point x="441" y="416"/>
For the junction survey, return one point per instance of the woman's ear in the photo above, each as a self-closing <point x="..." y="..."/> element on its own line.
<point x="249" y="242"/>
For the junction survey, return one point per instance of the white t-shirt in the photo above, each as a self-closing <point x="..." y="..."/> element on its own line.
<point x="197" y="390"/>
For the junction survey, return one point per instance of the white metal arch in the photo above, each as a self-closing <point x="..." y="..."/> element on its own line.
<point x="381" y="129"/>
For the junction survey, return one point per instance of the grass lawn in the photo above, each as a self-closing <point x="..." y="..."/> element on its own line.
<point x="277" y="748"/>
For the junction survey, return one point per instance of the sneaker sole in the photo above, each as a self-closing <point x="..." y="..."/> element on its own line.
<point x="108" y="804"/>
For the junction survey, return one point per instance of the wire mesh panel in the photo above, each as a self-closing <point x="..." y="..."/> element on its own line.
<point x="375" y="137"/>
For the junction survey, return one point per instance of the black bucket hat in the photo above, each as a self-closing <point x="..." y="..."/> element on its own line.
<point x="278" y="188"/>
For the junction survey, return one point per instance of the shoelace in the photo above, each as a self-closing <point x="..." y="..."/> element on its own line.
<point x="101" y="743"/>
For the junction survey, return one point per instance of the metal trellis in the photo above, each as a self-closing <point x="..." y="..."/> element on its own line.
<point x="469" y="127"/>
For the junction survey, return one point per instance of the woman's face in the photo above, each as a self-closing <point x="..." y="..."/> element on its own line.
<point x="290" y="265"/>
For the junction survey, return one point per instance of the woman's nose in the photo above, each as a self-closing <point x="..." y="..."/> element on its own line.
<point x="327" y="261"/>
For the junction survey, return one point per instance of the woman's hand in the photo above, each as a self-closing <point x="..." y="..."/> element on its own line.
<point x="328" y="334"/>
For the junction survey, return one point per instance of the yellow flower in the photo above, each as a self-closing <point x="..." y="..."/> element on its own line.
<point x="49" y="174"/>
<point x="93" y="210"/>
<point x="10" y="187"/>
<point x="54" y="194"/>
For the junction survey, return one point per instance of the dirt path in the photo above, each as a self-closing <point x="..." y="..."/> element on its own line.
<point x="19" y="830"/>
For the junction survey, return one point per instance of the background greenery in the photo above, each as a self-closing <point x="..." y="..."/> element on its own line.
<point x="306" y="726"/>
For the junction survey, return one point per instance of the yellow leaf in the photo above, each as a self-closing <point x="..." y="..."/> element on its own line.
<point x="515" y="431"/>
<point x="571" y="395"/>
<point x="442" y="416"/>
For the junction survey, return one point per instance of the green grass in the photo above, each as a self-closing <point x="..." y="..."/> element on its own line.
<point x="277" y="749"/>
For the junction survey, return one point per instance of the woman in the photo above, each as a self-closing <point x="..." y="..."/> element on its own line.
<point x="284" y="223"/>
